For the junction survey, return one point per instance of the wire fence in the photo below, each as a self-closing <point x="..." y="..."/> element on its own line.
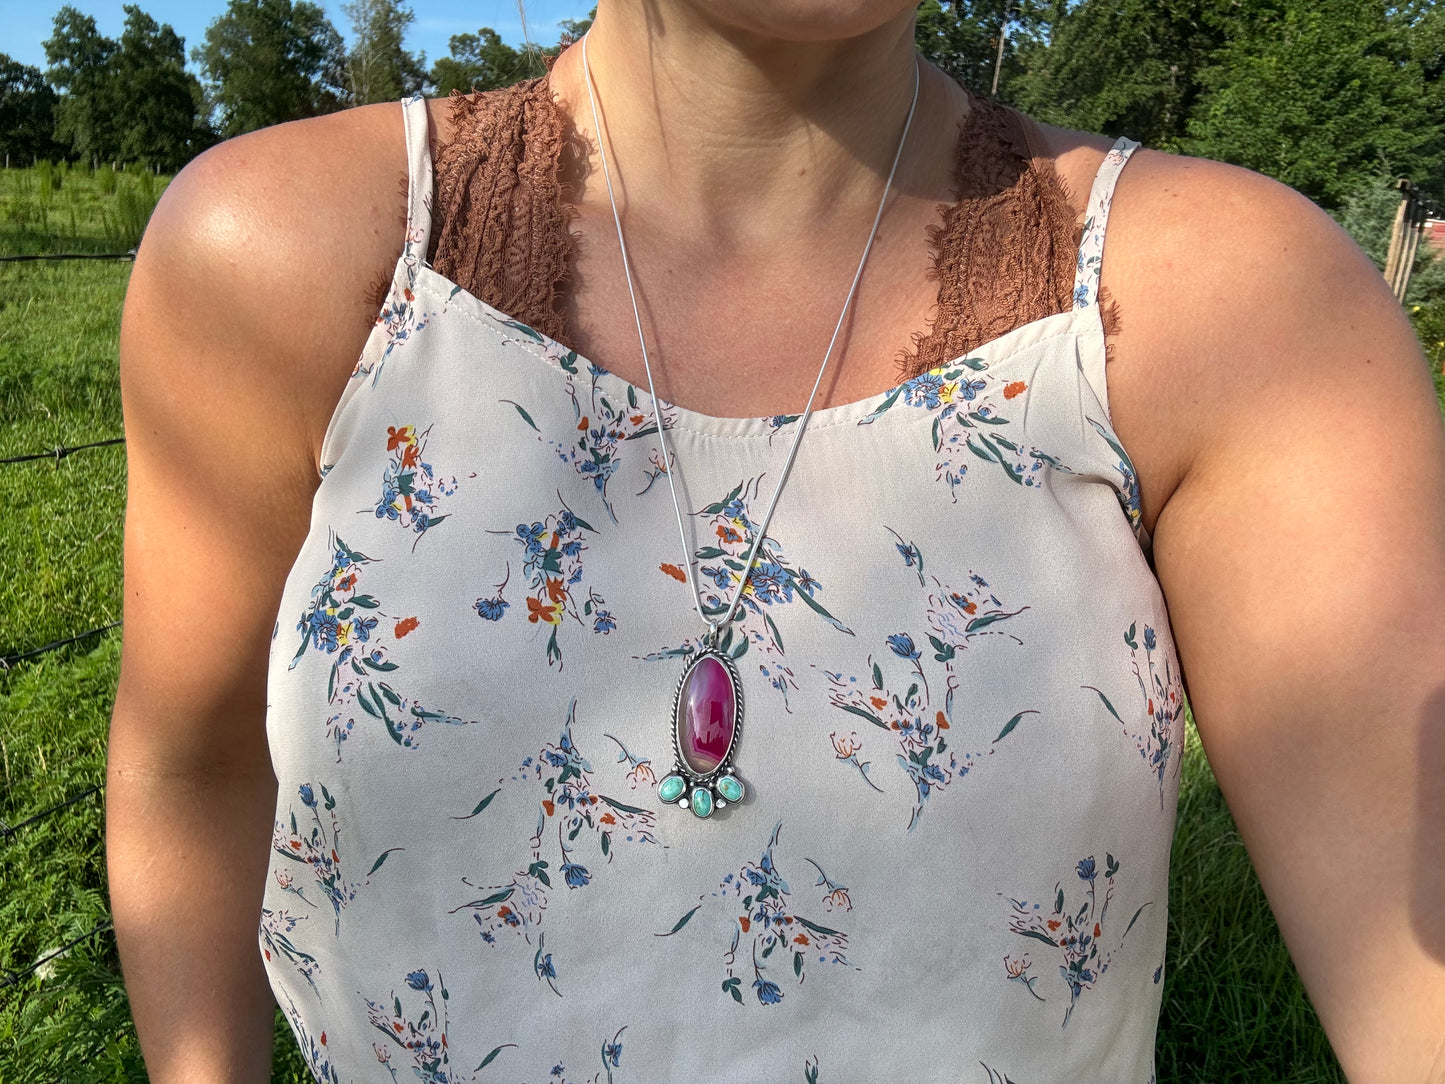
<point x="58" y="454"/>
<point x="69" y="256"/>
<point x="9" y="832"/>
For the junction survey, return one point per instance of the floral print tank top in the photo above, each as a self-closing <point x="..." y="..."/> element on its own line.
<point x="963" y="720"/>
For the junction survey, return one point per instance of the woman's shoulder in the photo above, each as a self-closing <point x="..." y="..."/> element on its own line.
<point x="1226" y="281"/>
<point x="270" y="254"/>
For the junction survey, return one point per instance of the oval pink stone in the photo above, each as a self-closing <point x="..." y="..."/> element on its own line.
<point x="706" y="715"/>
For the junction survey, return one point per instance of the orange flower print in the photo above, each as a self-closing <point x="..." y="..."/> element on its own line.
<point x="553" y="565"/>
<point x="406" y="625"/>
<point x="676" y="573"/>
<point x="411" y="491"/>
<point x="770" y="933"/>
<point x="1156" y="731"/>
<point x="1075" y="928"/>
<point x="967" y="426"/>
<point x="604" y="426"/>
<point x="540" y="611"/>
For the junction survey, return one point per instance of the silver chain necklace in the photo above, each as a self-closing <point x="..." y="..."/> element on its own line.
<point x="707" y="710"/>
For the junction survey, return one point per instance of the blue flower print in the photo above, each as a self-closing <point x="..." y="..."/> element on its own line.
<point x="1075" y="931"/>
<point x="903" y="646"/>
<point x="317" y="846"/>
<point x="727" y="535"/>
<point x="410" y="489"/>
<point x="593" y="445"/>
<point x="574" y="812"/>
<point x="338" y="620"/>
<point x="923" y="390"/>
<point x="968" y="425"/>
<point x="768" y="992"/>
<point x="552" y="563"/>
<point x="918" y="722"/>
<point x="764" y="915"/>
<point x="422" y="1037"/>
<point x="491" y="609"/>
<point x="1155" y="724"/>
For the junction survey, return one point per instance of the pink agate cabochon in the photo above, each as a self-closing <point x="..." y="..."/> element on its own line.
<point x="706" y="715"/>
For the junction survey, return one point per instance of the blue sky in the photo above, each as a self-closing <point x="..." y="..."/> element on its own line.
<point x="25" y="25"/>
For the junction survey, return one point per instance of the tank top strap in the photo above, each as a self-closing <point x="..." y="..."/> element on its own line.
<point x="1096" y="218"/>
<point x="418" y="182"/>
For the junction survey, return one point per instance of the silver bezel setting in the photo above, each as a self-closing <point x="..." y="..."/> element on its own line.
<point x="706" y="780"/>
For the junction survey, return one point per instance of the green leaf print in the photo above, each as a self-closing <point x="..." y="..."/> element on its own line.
<point x="492" y="1057"/>
<point x="480" y="806"/>
<point x="683" y="921"/>
<point x="1008" y="726"/>
<point x="377" y="864"/>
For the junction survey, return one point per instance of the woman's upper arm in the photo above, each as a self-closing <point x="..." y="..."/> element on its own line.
<point x="1302" y="554"/>
<point x="248" y="303"/>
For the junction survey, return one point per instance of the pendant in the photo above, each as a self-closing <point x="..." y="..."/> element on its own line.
<point x="707" y="721"/>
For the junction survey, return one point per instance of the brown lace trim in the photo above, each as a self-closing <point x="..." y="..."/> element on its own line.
<point x="502" y="214"/>
<point x="1003" y="254"/>
<point x="1005" y="251"/>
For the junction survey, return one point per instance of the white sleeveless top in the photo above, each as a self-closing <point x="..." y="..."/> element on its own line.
<point x="962" y="741"/>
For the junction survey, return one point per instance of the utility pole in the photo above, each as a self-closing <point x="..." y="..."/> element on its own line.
<point x="1002" y="37"/>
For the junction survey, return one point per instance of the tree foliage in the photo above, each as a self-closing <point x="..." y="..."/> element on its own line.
<point x="962" y="37"/>
<point x="482" y="61"/>
<point x="268" y="61"/>
<point x="126" y="100"/>
<point x="27" y="112"/>
<point x="1320" y="94"/>
<point x="1324" y="95"/>
<point x="379" y="67"/>
<point x="1129" y="67"/>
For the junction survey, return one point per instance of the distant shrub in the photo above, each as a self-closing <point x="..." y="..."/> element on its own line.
<point x="133" y="206"/>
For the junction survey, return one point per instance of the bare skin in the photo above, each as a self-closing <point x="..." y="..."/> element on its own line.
<point x="1290" y="453"/>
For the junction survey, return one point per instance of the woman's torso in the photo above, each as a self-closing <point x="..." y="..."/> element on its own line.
<point x="474" y="787"/>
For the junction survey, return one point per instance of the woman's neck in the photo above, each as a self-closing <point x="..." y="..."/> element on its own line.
<point x="736" y="137"/>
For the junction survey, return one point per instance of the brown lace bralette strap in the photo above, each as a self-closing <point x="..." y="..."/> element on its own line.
<point x="1003" y="253"/>
<point x="501" y="216"/>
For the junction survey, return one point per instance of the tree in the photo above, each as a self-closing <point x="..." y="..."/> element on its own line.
<point x="27" y="112"/>
<point x="481" y="61"/>
<point x="1326" y="94"/>
<point x="126" y="100"/>
<point x="159" y="117"/>
<point x="379" y="68"/>
<point x="269" y="61"/>
<point x="81" y="67"/>
<point x="1127" y="68"/>
<point x="962" y="37"/>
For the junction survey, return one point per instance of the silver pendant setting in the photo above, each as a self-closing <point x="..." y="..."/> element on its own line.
<point x="707" y="724"/>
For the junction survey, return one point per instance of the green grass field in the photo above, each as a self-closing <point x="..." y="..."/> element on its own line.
<point x="1234" y="1009"/>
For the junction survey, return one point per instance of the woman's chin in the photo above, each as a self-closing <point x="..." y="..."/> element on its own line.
<point x="801" y="21"/>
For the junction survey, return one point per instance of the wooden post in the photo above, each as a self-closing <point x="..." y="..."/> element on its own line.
<point x="1397" y="236"/>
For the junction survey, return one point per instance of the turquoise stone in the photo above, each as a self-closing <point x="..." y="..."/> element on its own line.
<point x="702" y="802"/>
<point x="671" y="788"/>
<point x="731" y="788"/>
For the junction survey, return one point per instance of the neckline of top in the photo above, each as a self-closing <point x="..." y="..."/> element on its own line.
<point x="567" y="363"/>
